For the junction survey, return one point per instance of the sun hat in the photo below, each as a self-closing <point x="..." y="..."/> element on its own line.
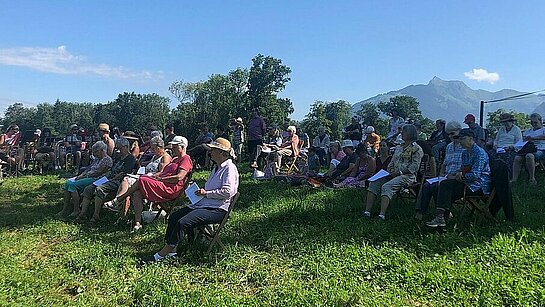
<point x="347" y="143"/>
<point x="221" y="144"/>
<point x="130" y="135"/>
<point x="104" y="127"/>
<point x="179" y="140"/>
<point x="238" y="120"/>
<point x="369" y="129"/>
<point x="38" y="132"/>
<point x="73" y="126"/>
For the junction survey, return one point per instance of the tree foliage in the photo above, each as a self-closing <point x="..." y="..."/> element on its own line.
<point x="333" y="116"/>
<point x="408" y="108"/>
<point x="370" y="115"/>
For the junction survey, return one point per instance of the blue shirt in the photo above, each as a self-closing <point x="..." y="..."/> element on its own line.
<point x="453" y="158"/>
<point x="476" y="169"/>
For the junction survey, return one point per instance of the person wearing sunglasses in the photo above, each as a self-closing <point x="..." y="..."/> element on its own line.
<point x="536" y="135"/>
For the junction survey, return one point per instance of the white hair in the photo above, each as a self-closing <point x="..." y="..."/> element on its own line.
<point x="292" y="129"/>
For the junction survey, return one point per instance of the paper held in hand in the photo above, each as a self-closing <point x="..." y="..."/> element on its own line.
<point x="190" y="193"/>
<point x="518" y="145"/>
<point x="100" y="181"/>
<point x="141" y="170"/>
<point x="435" y="179"/>
<point x="381" y="174"/>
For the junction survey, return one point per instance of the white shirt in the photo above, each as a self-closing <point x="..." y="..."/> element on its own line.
<point x="506" y="138"/>
<point x="540" y="144"/>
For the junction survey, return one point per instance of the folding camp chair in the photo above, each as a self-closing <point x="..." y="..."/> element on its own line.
<point x="479" y="205"/>
<point x="212" y="231"/>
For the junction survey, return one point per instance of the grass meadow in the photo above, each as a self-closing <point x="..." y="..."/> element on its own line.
<point x="285" y="246"/>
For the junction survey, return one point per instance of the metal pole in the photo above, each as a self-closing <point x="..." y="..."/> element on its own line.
<point x="481" y="113"/>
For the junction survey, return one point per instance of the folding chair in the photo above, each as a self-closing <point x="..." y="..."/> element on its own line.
<point x="212" y="231"/>
<point x="478" y="204"/>
<point x="168" y="206"/>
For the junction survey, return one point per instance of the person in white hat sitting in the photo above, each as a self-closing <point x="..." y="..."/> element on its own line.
<point x="219" y="189"/>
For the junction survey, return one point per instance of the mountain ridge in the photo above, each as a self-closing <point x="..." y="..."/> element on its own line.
<point x="453" y="99"/>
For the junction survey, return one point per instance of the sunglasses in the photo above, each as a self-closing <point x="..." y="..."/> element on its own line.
<point x="534" y="122"/>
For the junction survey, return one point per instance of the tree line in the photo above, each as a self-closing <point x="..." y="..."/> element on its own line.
<point x="216" y="101"/>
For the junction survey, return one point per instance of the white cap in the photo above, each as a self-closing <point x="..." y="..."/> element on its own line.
<point x="369" y="129"/>
<point x="347" y="143"/>
<point x="179" y="140"/>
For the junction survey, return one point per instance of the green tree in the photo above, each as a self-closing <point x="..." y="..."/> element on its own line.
<point x="370" y="115"/>
<point x="333" y="116"/>
<point x="408" y="108"/>
<point x="18" y="114"/>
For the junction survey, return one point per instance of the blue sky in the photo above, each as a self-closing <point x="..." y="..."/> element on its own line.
<point x="90" y="51"/>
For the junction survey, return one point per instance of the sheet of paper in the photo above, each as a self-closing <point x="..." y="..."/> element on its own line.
<point x="381" y="174"/>
<point x="435" y="179"/>
<point x="335" y="162"/>
<point x="518" y="145"/>
<point x="266" y="150"/>
<point x="500" y="150"/>
<point x="72" y="179"/>
<point x="190" y="193"/>
<point x="141" y="170"/>
<point x="102" y="180"/>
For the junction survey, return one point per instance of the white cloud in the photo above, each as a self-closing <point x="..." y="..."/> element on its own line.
<point x="60" y="61"/>
<point x="481" y="74"/>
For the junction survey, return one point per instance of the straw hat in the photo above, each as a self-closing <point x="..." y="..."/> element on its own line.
<point x="506" y="117"/>
<point x="104" y="127"/>
<point x="130" y="135"/>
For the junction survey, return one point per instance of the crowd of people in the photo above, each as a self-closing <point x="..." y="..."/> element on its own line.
<point x="118" y="169"/>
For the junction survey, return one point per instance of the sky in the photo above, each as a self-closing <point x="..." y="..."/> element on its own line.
<point x="91" y="51"/>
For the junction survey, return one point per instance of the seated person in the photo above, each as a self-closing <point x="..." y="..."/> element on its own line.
<point x="344" y="168"/>
<point x="45" y="152"/>
<point x="272" y="142"/>
<point x="154" y="168"/>
<point x="321" y="145"/>
<point x="199" y="152"/>
<point x="421" y="134"/>
<point x="105" y="192"/>
<point x="133" y="138"/>
<point x="353" y="131"/>
<point x="7" y="141"/>
<point x="336" y="154"/>
<point x="474" y="174"/>
<point x="403" y="169"/>
<point x="162" y="187"/>
<point x="372" y="141"/>
<point x="363" y="169"/>
<point x="74" y="186"/>
<point x="222" y="132"/>
<point x="313" y="163"/>
<point x="169" y="131"/>
<point x="220" y="188"/>
<point x="478" y="131"/>
<point x="304" y="142"/>
<point x="289" y="147"/>
<point x="450" y="166"/>
<point x="146" y="153"/>
<point x="383" y="159"/>
<point x="104" y="132"/>
<point x="72" y="145"/>
<point x="440" y="139"/>
<point x="536" y="134"/>
<point x="506" y="138"/>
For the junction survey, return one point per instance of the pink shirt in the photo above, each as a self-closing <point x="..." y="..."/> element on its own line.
<point x="221" y="186"/>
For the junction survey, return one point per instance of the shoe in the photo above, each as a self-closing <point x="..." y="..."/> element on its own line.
<point x="366" y="214"/>
<point x="532" y="182"/>
<point x="381" y="217"/>
<point x="110" y="205"/>
<point x="136" y="228"/>
<point x="438" y="221"/>
<point x="418" y="216"/>
<point x="154" y="258"/>
<point x="253" y="165"/>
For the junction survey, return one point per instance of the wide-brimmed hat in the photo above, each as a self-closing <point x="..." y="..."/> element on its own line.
<point x="73" y="126"/>
<point x="38" y="132"/>
<point x="130" y="135"/>
<point x="347" y="143"/>
<point x="179" y="140"/>
<point x="506" y="117"/>
<point x="221" y="144"/>
<point x="104" y="127"/>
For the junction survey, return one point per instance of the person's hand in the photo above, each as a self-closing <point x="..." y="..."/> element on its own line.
<point x="459" y="177"/>
<point x="527" y="138"/>
<point x="200" y="192"/>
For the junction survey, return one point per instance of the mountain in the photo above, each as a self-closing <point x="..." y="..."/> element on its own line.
<point x="452" y="100"/>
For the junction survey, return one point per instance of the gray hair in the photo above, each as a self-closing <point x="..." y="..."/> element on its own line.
<point x="536" y="116"/>
<point x="157" y="141"/>
<point x="411" y="132"/>
<point x="442" y="121"/>
<point x="155" y="133"/>
<point x="122" y="141"/>
<point x="99" y="146"/>
<point x="453" y="126"/>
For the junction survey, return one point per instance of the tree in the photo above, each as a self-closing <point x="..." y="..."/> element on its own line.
<point x="333" y="116"/>
<point x="408" y="108"/>
<point x="18" y="114"/>
<point x="370" y="115"/>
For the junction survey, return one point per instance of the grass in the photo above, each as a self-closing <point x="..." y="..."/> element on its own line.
<point x="285" y="246"/>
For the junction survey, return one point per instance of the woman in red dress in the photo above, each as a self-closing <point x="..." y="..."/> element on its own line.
<point x="166" y="186"/>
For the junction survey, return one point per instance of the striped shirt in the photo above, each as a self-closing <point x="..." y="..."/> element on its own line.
<point x="453" y="158"/>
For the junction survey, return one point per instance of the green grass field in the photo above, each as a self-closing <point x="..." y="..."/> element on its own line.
<point x="285" y="246"/>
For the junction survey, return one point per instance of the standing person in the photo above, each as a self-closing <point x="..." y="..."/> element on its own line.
<point x="353" y="131"/>
<point x="256" y="131"/>
<point x="104" y="130"/>
<point x="238" y="138"/>
<point x="536" y="134"/>
<point x="219" y="189"/>
<point x="478" y="131"/>
<point x="474" y="173"/>
<point x="395" y="124"/>
<point x="321" y="145"/>
<point x="169" y="131"/>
